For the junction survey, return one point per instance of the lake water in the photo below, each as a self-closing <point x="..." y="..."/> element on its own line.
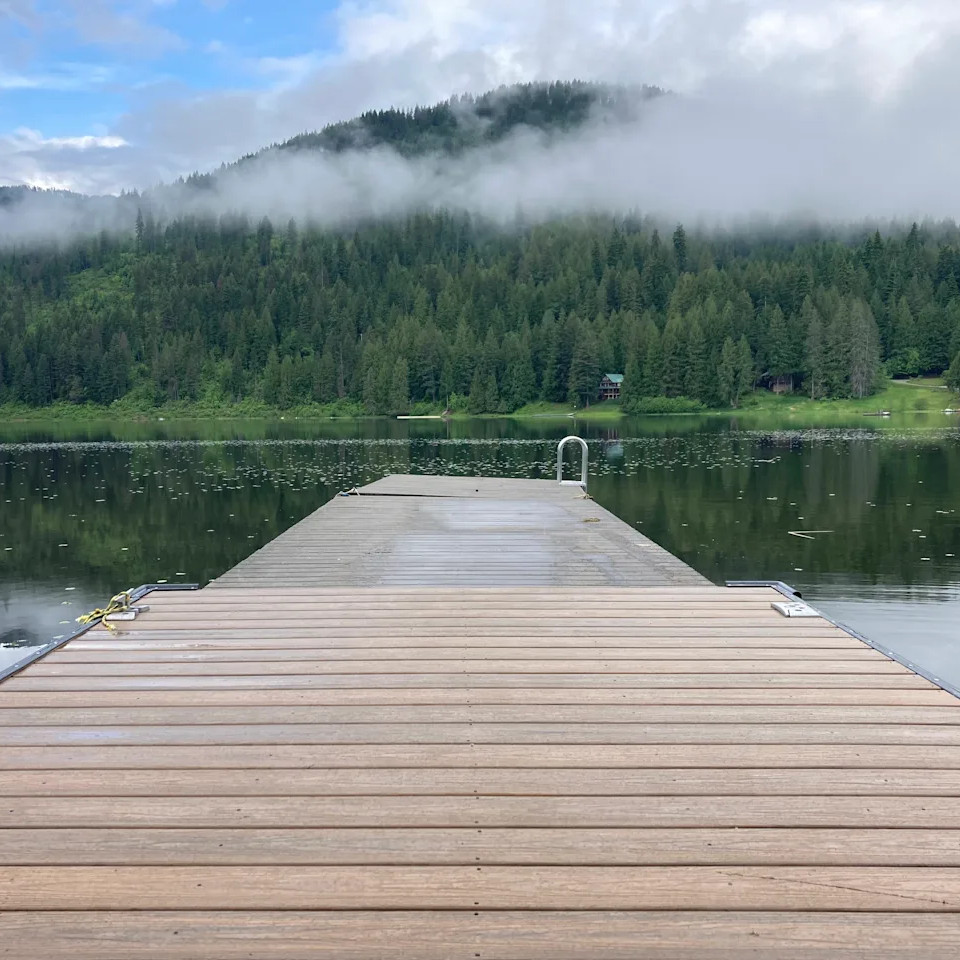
<point x="88" y="510"/>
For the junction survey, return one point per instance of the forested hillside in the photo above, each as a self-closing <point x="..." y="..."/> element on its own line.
<point x="467" y="121"/>
<point x="442" y="307"/>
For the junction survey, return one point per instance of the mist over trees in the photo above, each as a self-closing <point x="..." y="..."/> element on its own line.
<point x="445" y="308"/>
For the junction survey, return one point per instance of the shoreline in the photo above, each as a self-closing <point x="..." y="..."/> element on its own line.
<point x="922" y="396"/>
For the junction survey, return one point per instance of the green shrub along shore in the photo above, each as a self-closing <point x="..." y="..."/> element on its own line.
<point x="897" y="397"/>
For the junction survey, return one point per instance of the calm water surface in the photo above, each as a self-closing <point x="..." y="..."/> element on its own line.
<point x="88" y="510"/>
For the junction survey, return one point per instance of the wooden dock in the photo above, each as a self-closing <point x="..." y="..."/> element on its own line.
<point x="450" y="531"/>
<point x="290" y="764"/>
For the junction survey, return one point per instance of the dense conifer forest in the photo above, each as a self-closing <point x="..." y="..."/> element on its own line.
<point x="442" y="308"/>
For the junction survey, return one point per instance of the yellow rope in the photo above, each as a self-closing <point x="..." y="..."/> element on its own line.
<point x="117" y="604"/>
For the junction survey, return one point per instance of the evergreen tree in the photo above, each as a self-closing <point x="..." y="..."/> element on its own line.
<point x="903" y="354"/>
<point x="631" y="390"/>
<point x="674" y="346"/>
<point x="696" y="377"/>
<point x="584" y="368"/>
<point x="520" y="385"/>
<point x="271" y="380"/>
<point x="864" y="349"/>
<point x="399" y="400"/>
<point x="744" y="370"/>
<point x="780" y="352"/>
<point x="952" y="376"/>
<point x="680" y="247"/>
<point x="836" y="367"/>
<point x="727" y="373"/>
<point x="933" y="338"/>
<point x="815" y="357"/>
<point x="653" y="365"/>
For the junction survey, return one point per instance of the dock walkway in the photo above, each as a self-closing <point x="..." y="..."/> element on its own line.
<point x="284" y="767"/>
<point x="448" y="531"/>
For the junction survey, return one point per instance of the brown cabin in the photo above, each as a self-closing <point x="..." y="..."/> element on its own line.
<point x="610" y="386"/>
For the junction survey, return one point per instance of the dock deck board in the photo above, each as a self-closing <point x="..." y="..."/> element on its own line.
<point x="290" y="764"/>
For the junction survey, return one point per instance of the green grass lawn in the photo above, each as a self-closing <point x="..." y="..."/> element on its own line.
<point x="922" y="395"/>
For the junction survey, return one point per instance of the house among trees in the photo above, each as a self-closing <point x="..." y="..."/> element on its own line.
<point x="610" y="386"/>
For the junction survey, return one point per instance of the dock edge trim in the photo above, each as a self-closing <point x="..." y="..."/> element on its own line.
<point x="40" y="652"/>
<point x="793" y="594"/>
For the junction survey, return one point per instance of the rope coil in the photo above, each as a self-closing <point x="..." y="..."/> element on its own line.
<point x="118" y="604"/>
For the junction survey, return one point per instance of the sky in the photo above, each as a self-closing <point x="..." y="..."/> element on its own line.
<point x="101" y="96"/>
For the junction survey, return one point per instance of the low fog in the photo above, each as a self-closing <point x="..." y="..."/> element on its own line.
<point x="719" y="159"/>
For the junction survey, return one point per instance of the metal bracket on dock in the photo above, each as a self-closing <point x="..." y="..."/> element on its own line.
<point x="38" y="653"/>
<point x="584" y="460"/>
<point x="787" y="591"/>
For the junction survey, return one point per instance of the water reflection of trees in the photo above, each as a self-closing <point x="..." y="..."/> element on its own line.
<point x="709" y="497"/>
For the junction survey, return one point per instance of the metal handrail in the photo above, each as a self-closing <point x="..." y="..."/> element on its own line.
<point x="584" y="459"/>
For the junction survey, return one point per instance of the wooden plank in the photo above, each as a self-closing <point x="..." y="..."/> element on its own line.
<point x="481" y="755"/>
<point x="470" y="846"/>
<point x="493" y="614"/>
<point x="618" y="713"/>
<point x="628" y="607"/>
<point x="51" y="667"/>
<point x="502" y="935"/>
<point x="492" y="781"/>
<point x="258" y="631"/>
<point x="908" y="889"/>
<point x="214" y="735"/>
<point x="463" y="935"/>
<point x="434" y="609"/>
<point x="325" y="654"/>
<point x="484" y="811"/>
<point x="927" y="696"/>
<point x="563" y="625"/>
<point x="892" y="680"/>
<point x="285" y="646"/>
<point x="528" y="593"/>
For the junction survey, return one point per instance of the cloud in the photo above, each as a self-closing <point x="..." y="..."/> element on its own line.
<point x="408" y="52"/>
<point x="103" y="23"/>
<point x="86" y="163"/>
<point x="712" y="158"/>
<point x="22" y="12"/>
<point x="62" y="76"/>
<point x="833" y="108"/>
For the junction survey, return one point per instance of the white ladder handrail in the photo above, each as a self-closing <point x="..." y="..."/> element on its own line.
<point x="584" y="458"/>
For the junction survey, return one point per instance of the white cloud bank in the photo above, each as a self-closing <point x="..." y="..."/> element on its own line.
<point x="831" y="109"/>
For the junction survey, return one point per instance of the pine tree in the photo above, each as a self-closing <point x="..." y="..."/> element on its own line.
<point x="653" y="365"/>
<point x="285" y="392"/>
<point x="836" y="367"/>
<point x="399" y="400"/>
<point x="727" y="373"/>
<point x="933" y="337"/>
<point x="271" y="380"/>
<point x="631" y="390"/>
<point x="864" y="342"/>
<point x="904" y="357"/>
<point x="696" y="382"/>
<point x="674" y="344"/>
<point x="952" y="376"/>
<point x="680" y="247"/>
<point x="744" y="370"/>
<point x="814" y="349"/>
<point x="780" y="352"/>
<point x="584" y="368"/>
